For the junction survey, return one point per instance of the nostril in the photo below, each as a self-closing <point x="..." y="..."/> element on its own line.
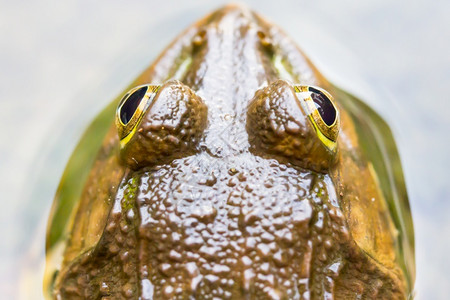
<point x="131" y="104"/>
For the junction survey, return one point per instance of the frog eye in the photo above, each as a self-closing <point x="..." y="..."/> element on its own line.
<point x="322" y="112"/>
<point x="157" y="124"/>
<point x="294" y="124"/>
<point x="131" y="109"/>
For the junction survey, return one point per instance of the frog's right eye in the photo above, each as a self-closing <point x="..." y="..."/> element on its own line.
<point x="322" y="112"/>
<point x="292" y="126"/>
<point x="159" y="123"/>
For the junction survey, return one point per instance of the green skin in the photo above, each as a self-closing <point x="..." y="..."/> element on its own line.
<point x="225" y="190"/>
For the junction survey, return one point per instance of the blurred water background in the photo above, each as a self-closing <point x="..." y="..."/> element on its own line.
<point x="61" y="62"/>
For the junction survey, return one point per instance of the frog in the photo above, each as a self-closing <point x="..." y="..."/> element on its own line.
<point x="232" y="169"/>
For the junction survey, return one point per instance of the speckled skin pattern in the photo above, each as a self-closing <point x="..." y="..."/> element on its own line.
<point x="225" y="192"/>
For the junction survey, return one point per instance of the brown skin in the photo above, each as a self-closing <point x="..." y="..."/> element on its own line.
<point x="236" y="197"/>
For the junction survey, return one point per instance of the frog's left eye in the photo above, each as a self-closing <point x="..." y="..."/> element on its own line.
<point x="131" y="109"/>
<point x="319" y="106"/>
<point x="157" y="124"/>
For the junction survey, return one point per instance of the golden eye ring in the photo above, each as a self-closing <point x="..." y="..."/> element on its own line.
<point x="131" y="109"/>
<point x="322" y="112"/>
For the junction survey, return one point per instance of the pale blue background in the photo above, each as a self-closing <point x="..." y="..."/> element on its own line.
<point x="62" y="61"/>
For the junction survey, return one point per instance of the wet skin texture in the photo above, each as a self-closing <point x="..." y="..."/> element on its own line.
<point x="225" y="190"/>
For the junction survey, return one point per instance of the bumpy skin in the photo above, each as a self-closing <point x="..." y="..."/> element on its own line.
<point x="248" y="210"/>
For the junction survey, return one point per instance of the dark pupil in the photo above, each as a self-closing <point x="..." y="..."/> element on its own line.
<point x="131" y="104"/>
<point x="324" y="106"/>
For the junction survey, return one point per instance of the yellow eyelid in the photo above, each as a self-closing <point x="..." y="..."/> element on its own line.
<point x="127" y="138"/>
